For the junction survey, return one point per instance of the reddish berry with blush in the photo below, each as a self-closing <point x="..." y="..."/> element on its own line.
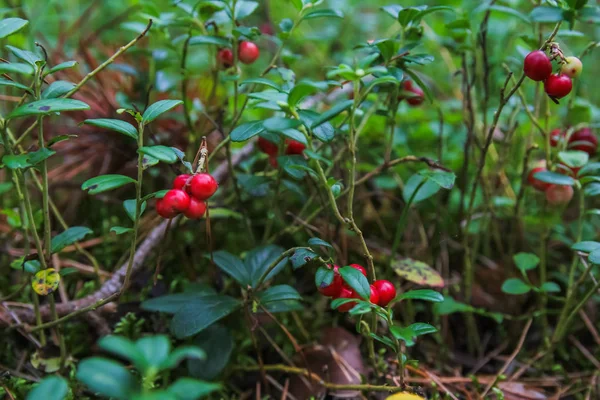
<point x="176" y="200"/>
<point x="558" y="195"/>
<point x="225" y="58"/>
<point x="360" y="268"/>
<point x="163" y="211"/>
<point x="273" y="161"/>
<point x="556" y="136"/>
<point x="180" y="181"/>
<point x="196" y="209"/>
<point x="335" y="287"/>
<point x="558" y="86"/>
<point x="537" y="66"/>
<point x="346" y="293"/>
<point x="266" y="146"/>
<point x="536" y="183"/>
<point x="386" y="291"/>
<point x="294" y="147"/>
<point x="417" y="96"/>
<point x="248" y="52"/>
<point x="584" y="140"/>
<point x="202" y="186"/>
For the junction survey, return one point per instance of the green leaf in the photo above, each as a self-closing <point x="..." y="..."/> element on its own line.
<point x="57" y="89"/>
<point x="592" y="168"/>
<point x="67" y="271"/>
<point x="323" y="13"/>
<point x="125" y="349"/>
<point x="261" y="81"/>
<point x="115" y="125"/>
<point x="315" y="242"/>
<point x="50" y="388"/>
<point x="299" y="92"/>
<point x="172" y="303"/>
<point x="158" y="108"/>
<point x="107" y="377"/>
<point x="420" y="188"/>
<point x="332" y="112"/>
<point x="279" y="293"/>
<point x="594" y="257"/>
<point x="5" y="187"/>
<point x="279" y="124"/>
<point x="324" y="132"/>
<point x="406" y="334"/>
<point x="296" y="135"/>
<point x="203" y="39"/>
<point x="357" y="281"/>
<point x="119" y="230"/>
<point x="324" y="277"/>
<point x="301" y="257"/>
<point x="201" y="313"/>
<point x="192" y="389"/>
<point x="554" y="178"/>
<point x="574" y="158"/>
<point x="182" y="353"/>
<point x="61" y="66"/>
<point x="421" y="328"/>
<point x="526" y="261"/>
<point x="68" y="237"/>
<point x="104" y="183"/>
<point x="217" y="342"/>
<point x="27" y="56"/>
<point x="550" y="287"/>
<point x="161" y="153"/>
<point x="129" y="206"/>
<point x="244" y="8"/>
<point x="260" y="259"/>
<point x="421" y="294"/>
<point x="232" y="266"/>
<point x="515" y="286"/>
<point x="546" y="14"/>
<point x="294" y="165"/>
<point x="17" y="68"/>
<point x="27" y="160"/>
<point x="47" y="106"/>
<point x="6" y="82"/>
<point x="154" y="350"/>
<point x="9" y="26"/>
<point x="392" y="10"/>
<point x="586" y="247"/>
<point x="417" y="272"/>
<point x="246" y="131"/>
<point x="444" y="179"/>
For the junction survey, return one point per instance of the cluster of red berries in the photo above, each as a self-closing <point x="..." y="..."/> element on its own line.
<point x="248" y="52"/>
<point x="582" y="140"/>
<point x="382" y="291"/>
<point x="538" y="67"/>
<point x="271" y="149"/>
<point x="187" y="196"/>
<point x="417" y="96"/>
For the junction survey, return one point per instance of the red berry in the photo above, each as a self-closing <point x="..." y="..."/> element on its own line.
<point x="536" y="183"/>
<point x="180" y="181"/>
<point x="346" y="293"/>
<point x="387" y="292"/>
<point x="584" y="140"/>
<point x="294" y="147"/>
<point x="196" y="209"/>
<point x="417" y="95"/>
<point x="267" y="146"/>
<point x="556" y="136"/>
<point x="175" y="201"/>
<point x="558" y="85"/>
<point x="202" y="186"/>
<point x="273" y="161"/>
<point x="225" y="58"/>
<point x="248" y="52"/>
<point x="537" y="66"/>
<point x="164" y="211"/>
<point x="566" y="170"/>
<point x="335" y="287"/>
<point x="559" y="194"/>
<point x="374" y="297"/>
<point x="360" y="268"/>
<point x="267" y="29"/>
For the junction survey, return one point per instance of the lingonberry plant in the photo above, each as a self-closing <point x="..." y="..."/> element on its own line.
<point x="300" y="199"/>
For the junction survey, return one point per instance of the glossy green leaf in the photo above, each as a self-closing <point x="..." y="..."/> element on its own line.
<point x="129" y="206"/>
<point x="574" y="158"/>
<point x="61" y="66"/>
<point x="594" y="257"/>
<point x="47" y="106"/>
<point x="124" y="349"/>
<point x="107" y="377"/>
<point x="22" y="161"/>
<point x="421" y="294"/>
<point x="357" y="281"/>
<point x="9" y="83"/>
<point x="324" y="277"/>
<point x="444" y="179"/>
<point x="57" y="89"/>
<point x="246" y="131"/>
<point x="301" y="257"/>
<point x="182" y="353"/>
<point x="115" y="125"/>
<point x="158" y="108"/>
<point x="546" y="14"/>
<point x="332" y="113"/>
<point x="261" y="81"/>
<point x="515" y="286"/>
<point x="550" y="287"/>
<point x="119" y="230"/>
<point x="52" y="387"/>
<point x="25" y="55"/>
<point x="279" y="124"/>
<point x="323" y="13"/>
<point x="554" y="178"/>
<point x="217" y="343"/>
<point x="259" y="259"/>
<point x="419" y="188"/>
<point x="202" y="312"/>
<point x="68" y="237"/>
<point x="279" y="293"/>
<point x="161" y="153"/>
<point x="172" y="303"/>
<point x="215" y="40"/>
<point x="192" y="389"/>
<point x="104" y="183"/>
<point x="316" y="242"/>
<point x="324" y="132"/>
<point x="8" y="26"/>
<point x="526" y="261"/>
<point x="232" y="266"/>
<point x="17" y="68"/>
<point x="586" y="246"/>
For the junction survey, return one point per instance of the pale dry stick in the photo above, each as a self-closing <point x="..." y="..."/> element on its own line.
<point x="510" y="359"/>
<point x="586" y="353"/>
<point x="114" y="284"/>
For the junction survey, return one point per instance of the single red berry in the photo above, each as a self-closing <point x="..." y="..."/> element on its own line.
<point x="202" y="186"/>
<point x="273" y="161"/>
<point x="267" y="146"/>
<point x="556" y="136"/>
<point x="176" y="200"/>
<point x="163" y="211"/>
<point x="225" y="58"/>
<point x="294" y="147"/>
<point x="537" y="66"/>
<point x="267" y="29"/>
<point x="536" y="183"/>
<point x="566" y="170"/>
<point x="346" y="293"/>
<point x="387" y="291"/>
<point x="360" y="268"/>
<point x="557" y="195"/>
<point x="335" y="287"/>
<point x="584" y="140"/>
<point x="196" y="209"/>
<point x="248" y="52"/>
<point x="374" y="297"/>
<point x="180" y="181"/>
<point x="416" y="97"/>
<point x="558" y="85"/>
